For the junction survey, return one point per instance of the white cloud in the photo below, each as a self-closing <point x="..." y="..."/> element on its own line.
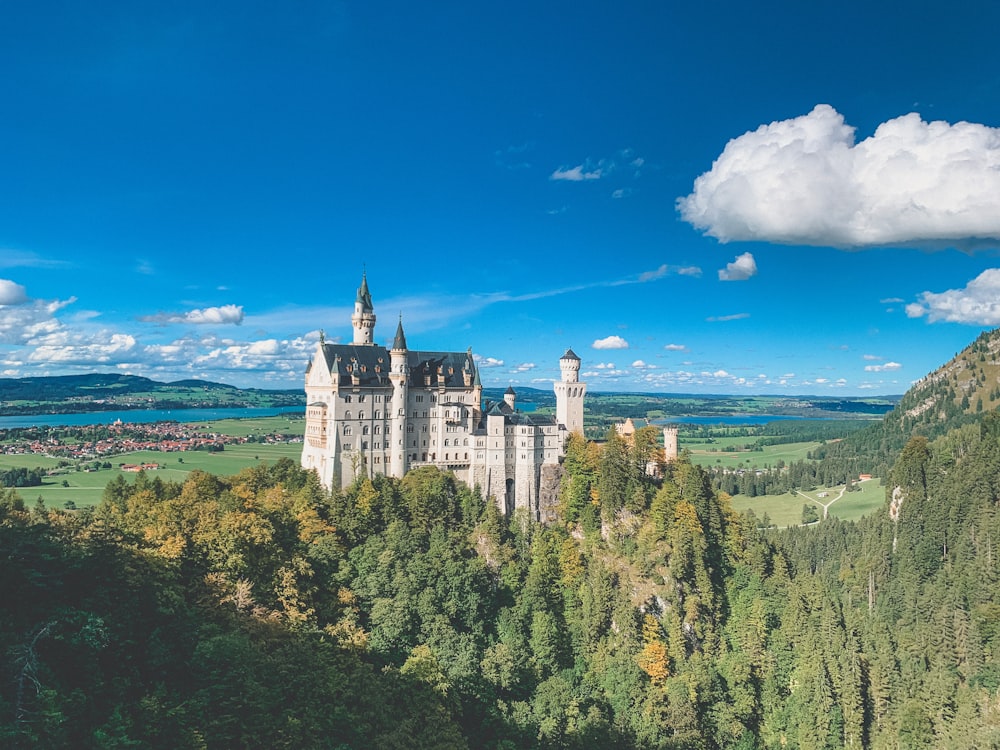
<point x="11" y="293"/>
<point x="887" y="367"/>
<point x="640" y="365"/>
<point x="977" y="304"/>
<point x="675" y="348"/>
<point x="611" y="342"/>
<point x="872" y="357"/>
<point x="605" y="366"/>
<point x="659" y="273"/>
<point x="621" y="193"/>
<point x="579" y="173"/>
<point x="741" y="269"/>
<point x="891" y="301"/>
<point x="98" y="350"/>
<point x="805" y="181"/>
<point x="224" y="315"/>
<point x="524" y="367"/>
<point x="727" y="318"/>
<point x="11" y="258"/>
<point x="487" y="361"/>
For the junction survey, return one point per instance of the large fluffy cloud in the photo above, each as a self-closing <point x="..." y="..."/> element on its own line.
<point x="805" y="181"/>
<point x="977" y="304"/>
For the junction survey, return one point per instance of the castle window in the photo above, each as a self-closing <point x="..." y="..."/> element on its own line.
<point x="347" y="429"/>
<point x="466" y="441"/>
<point x="466" y="456"/>
<point x="364" y="430"/>
<point x="423" y="428"/>
<point x="347" y="399"/>
<point x="433" y="398"/>
<point x="378" y="415"/>
<point x="447" y="413"/>
<point x="419" y="398"/>
<point x="362" y="396"/>
<point x="364" y="445"/>
<point x="378" y="429"/>
<point x="409" y="428"/>
<point x="361" y="415"/>
<point x="378" y="459"/>
<point x="414" y="444"/>
<point x="347" y="414"/>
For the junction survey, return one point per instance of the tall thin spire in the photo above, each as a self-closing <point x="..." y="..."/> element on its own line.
<point x="364" y="296"/>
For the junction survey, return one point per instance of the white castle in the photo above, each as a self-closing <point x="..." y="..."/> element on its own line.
<point x="375" y="411"/>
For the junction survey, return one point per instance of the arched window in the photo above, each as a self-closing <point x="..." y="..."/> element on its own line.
<point x="347" y="414"/>
<point x="364" y="430"/>
<point x="361" y="415"/>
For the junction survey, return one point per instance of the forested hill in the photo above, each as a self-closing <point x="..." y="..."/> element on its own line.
<point x="957" y="393"/>
<point x="260" y="611"/>
<point x="112" y="391"/>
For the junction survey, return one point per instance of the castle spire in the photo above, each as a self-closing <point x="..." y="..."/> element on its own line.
<point x="400" y="341"/>
<point x="364" y="297"/>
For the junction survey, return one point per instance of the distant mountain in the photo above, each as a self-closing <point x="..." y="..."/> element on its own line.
<point x="111" y="391"/>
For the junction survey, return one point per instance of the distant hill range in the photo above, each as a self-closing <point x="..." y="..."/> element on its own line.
<point x="111" y="392"/>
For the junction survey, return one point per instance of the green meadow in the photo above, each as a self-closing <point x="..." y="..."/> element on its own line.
<point x="786" y="510"/>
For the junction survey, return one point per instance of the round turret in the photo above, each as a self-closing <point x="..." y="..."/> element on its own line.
<point x="569" y="367"/>
<point x="510" y="396"/>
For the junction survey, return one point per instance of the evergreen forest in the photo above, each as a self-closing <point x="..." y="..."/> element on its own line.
<point x="261" y="611"/>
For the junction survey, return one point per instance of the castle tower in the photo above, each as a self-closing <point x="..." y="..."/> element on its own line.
<point x="363" y="318"/>
<point x="569" y="393"/>
<point x="399" y="376"/>
<point x="670" y="443"/>
<point x="510" y="397"/>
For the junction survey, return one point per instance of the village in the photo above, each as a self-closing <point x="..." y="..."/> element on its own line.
<point x="92" y="442"/>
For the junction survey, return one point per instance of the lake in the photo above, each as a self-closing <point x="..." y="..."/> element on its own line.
<point x="143" y="416"/>
<point x="733" y="420"/>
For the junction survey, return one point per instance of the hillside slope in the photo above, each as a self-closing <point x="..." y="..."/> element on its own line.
<point x="955" y="394"/>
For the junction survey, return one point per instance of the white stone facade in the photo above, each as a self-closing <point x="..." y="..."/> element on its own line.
<point x="372" y="410"/>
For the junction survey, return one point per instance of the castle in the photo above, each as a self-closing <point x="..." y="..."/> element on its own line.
<point x="375" y="411"/>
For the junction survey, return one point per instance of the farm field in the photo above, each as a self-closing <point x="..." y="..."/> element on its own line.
<point x="786" y="510"/>
<point x="725" y="451"/>
<point x="86" y="487"/>
<point x="281" y="424"/>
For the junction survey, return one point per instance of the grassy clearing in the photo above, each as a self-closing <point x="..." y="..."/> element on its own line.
<point x="786" y="510"/>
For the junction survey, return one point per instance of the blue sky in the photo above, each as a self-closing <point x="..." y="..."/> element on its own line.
<point x="718" y="197"/>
